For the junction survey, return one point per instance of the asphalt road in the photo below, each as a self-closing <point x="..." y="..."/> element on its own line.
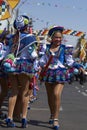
<point x="73" y="111"/>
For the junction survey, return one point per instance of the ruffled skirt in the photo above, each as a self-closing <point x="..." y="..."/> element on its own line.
<point x="21" y="66"/>
<point x="59" y="75"/>
<point x="25" y="66"/>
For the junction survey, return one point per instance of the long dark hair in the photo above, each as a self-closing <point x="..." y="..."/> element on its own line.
<point x="15" y="42"/>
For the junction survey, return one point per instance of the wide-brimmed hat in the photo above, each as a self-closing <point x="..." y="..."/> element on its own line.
<point x="55" y="28"/>
<point x="21" y="22"/>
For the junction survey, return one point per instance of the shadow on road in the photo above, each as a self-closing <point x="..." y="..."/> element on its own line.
<point x="39" y="123"/>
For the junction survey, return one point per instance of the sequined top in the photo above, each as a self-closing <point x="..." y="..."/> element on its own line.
<point x="61" y="58"/>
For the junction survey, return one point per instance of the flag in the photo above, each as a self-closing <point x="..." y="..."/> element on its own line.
<point x="83" y="49"/>
<point x="4" y="10"/>
<point x="13" y="3"/>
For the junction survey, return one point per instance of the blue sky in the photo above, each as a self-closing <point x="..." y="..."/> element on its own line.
<point x="71" y="14"/>
<point x="68" y="13"/>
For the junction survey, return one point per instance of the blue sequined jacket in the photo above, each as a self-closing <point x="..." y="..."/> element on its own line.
<point x="63" y="58"/>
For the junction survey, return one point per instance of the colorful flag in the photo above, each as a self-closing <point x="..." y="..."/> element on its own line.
<point x="13" y="3"/>
<point x="83" y="49"/>
<point x="4" y="10"/>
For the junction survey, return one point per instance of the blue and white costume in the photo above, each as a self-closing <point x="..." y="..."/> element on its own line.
<point x="4" y="50"/>
<point x="26" y="54"/>
<point x="22" y="51"/>
<point x="26" y="57"/>
<point x="57" y="70"/>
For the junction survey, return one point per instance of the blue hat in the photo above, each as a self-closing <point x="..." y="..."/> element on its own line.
<point x="55" y="28"/>
<point x="21" y="22"/>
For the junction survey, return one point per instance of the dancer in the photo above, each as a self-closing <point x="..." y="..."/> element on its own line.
<point x="57" y="61"/>
<point x="4" y="50"/>
<point x="22" y="70"/>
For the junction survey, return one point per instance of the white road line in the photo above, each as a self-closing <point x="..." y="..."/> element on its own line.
<point x="83" y="93"/>
<point x="77" y="87"/>
<point x="82" y="86"/>
<point x="34" y="108"/>
<point x="43" y="109"/>
<point x="79" y="91"/>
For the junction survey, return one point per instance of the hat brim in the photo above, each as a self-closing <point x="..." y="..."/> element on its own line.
<point x="57" y="28"/>
<point x="25" y="17"/>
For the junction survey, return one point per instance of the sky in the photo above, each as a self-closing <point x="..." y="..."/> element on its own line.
<point x="71" y="14"/>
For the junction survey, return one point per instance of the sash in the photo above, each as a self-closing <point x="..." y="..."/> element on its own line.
<point x="43" y="72"/>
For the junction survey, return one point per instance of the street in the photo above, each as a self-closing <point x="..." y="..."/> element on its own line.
<point x="73" y="111"/>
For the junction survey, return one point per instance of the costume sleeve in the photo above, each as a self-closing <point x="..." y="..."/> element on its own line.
<point x="41" y="49"/>
<point x="39" y="63"/>
<point x="77" y="65"/>
<point x="42" y="55"/>
<point x="69" y="58"/>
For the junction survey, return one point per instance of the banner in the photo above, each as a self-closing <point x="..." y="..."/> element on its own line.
<point x="4" y="10"/>
<point x="13" y="3"/>
<point x="5" y="6"/>
<point x="66" y="32"/>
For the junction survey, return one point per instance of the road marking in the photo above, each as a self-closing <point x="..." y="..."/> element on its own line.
<point x="33" y="108"/>
<point x="82" y="86"/>
<point x="79" y="91"/>
<point x="86" y="90"/>
<point x="77" y="87"/>
<point x="43" y="109"/>
<point x="83" y="93"/>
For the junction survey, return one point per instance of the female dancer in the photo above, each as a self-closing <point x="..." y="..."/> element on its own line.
<point x="22" y="70"/>
<point x="56" y="60"/>
<point x="4" y="50"/>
